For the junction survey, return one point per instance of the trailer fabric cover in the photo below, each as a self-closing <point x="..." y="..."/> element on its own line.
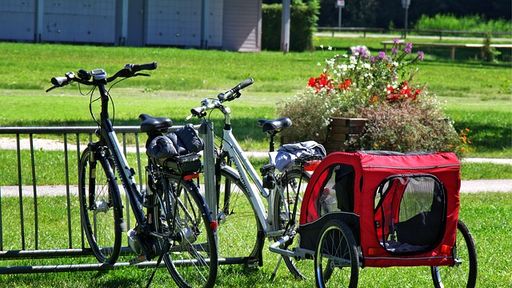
<point x="370" y="170"/>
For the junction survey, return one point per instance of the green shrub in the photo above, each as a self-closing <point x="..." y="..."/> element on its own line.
<point x="408" y="126"/>
<point x="402" y="115"/>
<point x="468" y="23"/>
<point x="302" y="26"/>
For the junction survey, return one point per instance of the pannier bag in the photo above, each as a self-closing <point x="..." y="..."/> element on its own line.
<point x="177" y="150"/>
<point x="287" y="153"/>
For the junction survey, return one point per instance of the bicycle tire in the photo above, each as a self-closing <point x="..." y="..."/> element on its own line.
<point x="455" y="274"/>
<point x="238" y="224"/>
<point x="336" y="242"/>
<point x="101" y="220"/>
<point x="283" y="209"/>
<point x="192" y="259"/>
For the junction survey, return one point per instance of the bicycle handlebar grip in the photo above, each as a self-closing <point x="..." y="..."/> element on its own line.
<point x="245" y="83"/>
<point x="228" y="95"/>
<point x="147" y="66"/>
<point x="60" y="81"/>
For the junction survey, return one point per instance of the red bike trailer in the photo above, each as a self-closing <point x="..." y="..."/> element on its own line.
<point x="400" y="209"/>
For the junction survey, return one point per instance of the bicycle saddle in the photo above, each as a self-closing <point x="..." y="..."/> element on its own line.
<point x="275" y="126"/>
<point x="154" y="124"/>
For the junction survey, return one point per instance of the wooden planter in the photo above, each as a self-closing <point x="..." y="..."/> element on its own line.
<point x="341" y="132"/>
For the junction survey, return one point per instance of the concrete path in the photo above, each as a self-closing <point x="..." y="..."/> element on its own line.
<point x="467" y="186"/>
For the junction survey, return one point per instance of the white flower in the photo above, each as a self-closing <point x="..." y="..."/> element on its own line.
<point x="367" y="65"/>
<point x="395" y="63"/>
<point x="321" y="46"/>
<point x="329" y="48"/>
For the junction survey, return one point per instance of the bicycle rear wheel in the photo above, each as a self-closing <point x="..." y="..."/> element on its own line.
<point x="100" y="205"/>
<point x="463" y="273"/>
<point x="292" y="183"/>
<point x="192" y="257"/>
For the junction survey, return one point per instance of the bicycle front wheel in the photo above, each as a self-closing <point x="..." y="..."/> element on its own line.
<point x="292" y="184"/>
<point x="192" y="257"/>
<point x="238" y="224"/>
<point x="100" y="205"/>
<point x="463" y="273"/>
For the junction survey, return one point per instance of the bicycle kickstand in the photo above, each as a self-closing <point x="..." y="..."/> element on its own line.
<point x="165" y="250"/>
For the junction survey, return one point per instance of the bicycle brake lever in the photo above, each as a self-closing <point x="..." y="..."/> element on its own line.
<point x="51" y="88"/>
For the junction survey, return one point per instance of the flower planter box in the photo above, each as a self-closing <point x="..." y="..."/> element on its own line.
<point x="343" y="131"/>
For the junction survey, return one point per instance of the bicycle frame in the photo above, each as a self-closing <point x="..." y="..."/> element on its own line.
<point x="245" y="171"/>
<point x="108" y="137"/>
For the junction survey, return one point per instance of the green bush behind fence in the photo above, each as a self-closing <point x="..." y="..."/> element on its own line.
<point x="302" y="26"/>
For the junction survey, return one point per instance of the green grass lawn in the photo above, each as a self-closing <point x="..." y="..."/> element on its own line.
<point x="488" y="216"/>
<point x="476" y="95"/>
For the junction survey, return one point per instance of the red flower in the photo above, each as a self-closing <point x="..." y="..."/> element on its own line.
<point x="415" y="94"/>
<point x="345" y="84"/>
<point x="312" y="82"/>
<point x="320" y="82"/>
<point x="393" y="97"/>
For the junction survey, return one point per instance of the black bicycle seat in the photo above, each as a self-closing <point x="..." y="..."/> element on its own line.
<point x="274" y="126"/>
<point x="154" y="124"/>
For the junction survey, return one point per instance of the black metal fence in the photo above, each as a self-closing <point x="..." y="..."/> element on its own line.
<point x="72" y="141"/>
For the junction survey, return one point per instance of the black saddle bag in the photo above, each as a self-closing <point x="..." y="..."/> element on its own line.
<point x="178" y="150"/>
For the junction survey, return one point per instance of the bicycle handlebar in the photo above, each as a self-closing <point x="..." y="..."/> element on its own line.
<point x="233" y="93"/>
<point x="208" y="104"/>
<point x="100" y="76"/>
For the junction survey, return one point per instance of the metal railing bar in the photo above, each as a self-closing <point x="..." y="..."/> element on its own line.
<point x="68" y="196"/>
<point x="78" y="151"/>
<point x="101" y="266"/>
<point x="128" y="224"/>
<point x="22" y="221"/>
<point x="1" y="224"/>
<point x="73" y="129"/>
<point x="34" y="189"/>
<point x="63" y="129"/>
<point x="53" y="253"/>
<point x="139" y="166"/>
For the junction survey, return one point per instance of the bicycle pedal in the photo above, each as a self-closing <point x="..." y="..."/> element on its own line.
<point x="137" y="260"/>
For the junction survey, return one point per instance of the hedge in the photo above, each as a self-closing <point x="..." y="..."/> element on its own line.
<point x="302" y="26"/>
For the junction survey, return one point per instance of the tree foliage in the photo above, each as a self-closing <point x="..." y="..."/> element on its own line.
<point x="380" y="13"/>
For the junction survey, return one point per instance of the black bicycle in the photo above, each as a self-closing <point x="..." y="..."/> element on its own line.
<point x="173" y="220"/>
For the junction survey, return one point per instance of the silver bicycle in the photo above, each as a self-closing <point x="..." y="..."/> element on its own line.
<point x="235" y="188"/>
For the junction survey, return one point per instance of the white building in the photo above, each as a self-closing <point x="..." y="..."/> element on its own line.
<point x="225" y="24"/>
